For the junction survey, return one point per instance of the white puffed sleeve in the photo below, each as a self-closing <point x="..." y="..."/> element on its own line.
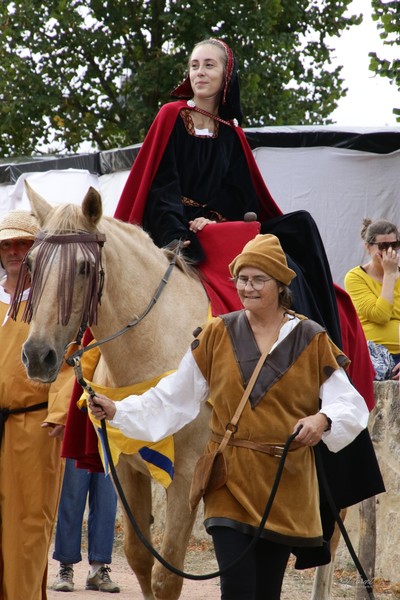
<point x="166" y="408"/>
<point x="345" y="407"/>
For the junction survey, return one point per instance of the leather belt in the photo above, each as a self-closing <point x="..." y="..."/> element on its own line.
<point x="271" y="449"/>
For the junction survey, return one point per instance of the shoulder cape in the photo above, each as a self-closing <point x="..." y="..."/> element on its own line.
<point x="134" y="195"/>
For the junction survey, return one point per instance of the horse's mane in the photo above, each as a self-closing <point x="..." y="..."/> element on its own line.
<point x="183" y="264"/>
<point x="67" y="218"/>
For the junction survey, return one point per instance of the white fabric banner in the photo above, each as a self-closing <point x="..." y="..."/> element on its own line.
<point x="337" y="187"/>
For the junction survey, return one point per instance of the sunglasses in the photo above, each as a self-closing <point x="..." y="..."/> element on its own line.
<point x="386" y="245"/>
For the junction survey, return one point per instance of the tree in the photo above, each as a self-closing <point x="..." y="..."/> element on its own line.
<point x="387" y="15"/>
<point x="98" y="70"/>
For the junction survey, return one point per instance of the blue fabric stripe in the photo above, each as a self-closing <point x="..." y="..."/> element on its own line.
<point x="159" y="460"/>
<point x="106" y="463"/>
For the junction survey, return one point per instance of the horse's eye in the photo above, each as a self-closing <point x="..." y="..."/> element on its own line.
<point x="84" y="268"/>
<point x="28" y="264"/>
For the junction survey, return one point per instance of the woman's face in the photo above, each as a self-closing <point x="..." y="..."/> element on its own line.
<point x="373" y="249"/>
<point x="207" y="71"/>
<point x="266" y="297"/>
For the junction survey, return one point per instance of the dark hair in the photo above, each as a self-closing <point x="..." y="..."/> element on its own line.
<point x="370" y="229"/>
<point x="285" y="296"/>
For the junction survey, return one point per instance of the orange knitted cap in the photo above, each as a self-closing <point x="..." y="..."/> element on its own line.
<point x="264" y="252"/>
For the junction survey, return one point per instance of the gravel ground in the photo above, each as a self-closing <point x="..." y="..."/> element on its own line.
<point x="200" y="559"/>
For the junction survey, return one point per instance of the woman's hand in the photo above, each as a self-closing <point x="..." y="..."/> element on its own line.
<point x="199" y="223"/>
<point x="390" y="262"/>
<point x="102" y="407"/>
<point x="312" y="429"/>
<point x="395" y="375"/>
<point x="55" y="431"/>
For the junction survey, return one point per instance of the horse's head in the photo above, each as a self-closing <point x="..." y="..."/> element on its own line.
<point x="65" y="265"/>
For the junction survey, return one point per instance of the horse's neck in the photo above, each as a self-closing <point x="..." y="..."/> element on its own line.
<point x="159" y="341"/>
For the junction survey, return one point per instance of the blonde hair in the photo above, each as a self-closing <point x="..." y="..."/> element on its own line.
<point x="210" y="42"/>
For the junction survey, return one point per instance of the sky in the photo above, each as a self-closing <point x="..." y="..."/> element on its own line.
<point x="370" y="98"/>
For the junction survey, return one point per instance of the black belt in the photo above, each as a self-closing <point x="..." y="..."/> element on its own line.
<point x="6" y="412"/>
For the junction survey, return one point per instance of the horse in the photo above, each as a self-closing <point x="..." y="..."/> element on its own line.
<point x="133" y="268"/>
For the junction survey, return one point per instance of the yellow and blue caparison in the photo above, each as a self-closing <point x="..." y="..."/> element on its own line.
<point x="158" y="456"/>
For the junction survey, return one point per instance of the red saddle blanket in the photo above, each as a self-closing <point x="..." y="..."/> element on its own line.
<point x="222" y="242"/>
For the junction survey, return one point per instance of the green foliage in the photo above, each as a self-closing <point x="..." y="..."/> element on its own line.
<point x="98" y="70"/>
<point x="387" y="15"/>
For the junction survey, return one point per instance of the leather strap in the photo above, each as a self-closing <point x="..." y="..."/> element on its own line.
<point x="271" y="449"/>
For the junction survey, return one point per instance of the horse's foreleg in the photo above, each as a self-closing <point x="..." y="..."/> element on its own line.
<point x="322" y="584"/>
<point x="137" y="490"/>
<point x="178" y="527"/>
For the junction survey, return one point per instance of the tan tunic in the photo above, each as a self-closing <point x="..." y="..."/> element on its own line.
<point x="295" y="517"/>
<point x="30" y="468"/>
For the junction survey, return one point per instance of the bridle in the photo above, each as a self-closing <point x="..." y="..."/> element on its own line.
<point x="47" y="244"/>
<point x="75" y="359"/>
<point x="70" y="242"/>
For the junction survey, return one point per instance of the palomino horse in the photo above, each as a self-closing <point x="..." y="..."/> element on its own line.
<point x="133" y="267"/>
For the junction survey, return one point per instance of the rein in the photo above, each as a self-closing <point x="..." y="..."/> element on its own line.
<point x="365" y="581"/>
<point x="151" y="548"/>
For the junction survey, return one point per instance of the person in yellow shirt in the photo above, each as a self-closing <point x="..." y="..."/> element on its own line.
<point x="32" y="418"/>
<point x="374" y="288"/>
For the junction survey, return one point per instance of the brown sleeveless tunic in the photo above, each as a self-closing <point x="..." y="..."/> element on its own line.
<point x="287" y="389"/>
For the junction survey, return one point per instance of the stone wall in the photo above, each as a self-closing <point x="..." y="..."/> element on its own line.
<point x="384" y="426"/>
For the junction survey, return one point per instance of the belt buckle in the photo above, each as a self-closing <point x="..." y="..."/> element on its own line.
<point x="278" y="451"/>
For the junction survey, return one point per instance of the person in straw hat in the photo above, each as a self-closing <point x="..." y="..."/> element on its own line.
<point x="32" y="417"/>
<point x="302" y="384"/>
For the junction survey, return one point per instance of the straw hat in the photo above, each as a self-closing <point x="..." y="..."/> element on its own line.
<point x="18" y="224"/>
<point x="264" y="252"/>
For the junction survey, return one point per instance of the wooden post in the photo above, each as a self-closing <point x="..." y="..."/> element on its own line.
<point x="366" y="545"/>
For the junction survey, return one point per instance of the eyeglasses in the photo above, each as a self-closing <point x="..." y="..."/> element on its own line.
<point x="257" y="283"/>
<point x="386" y="245"/>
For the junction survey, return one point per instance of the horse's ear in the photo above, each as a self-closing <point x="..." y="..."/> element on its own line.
<point x="40" y="207"/>
<point x="92" y="207"/>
